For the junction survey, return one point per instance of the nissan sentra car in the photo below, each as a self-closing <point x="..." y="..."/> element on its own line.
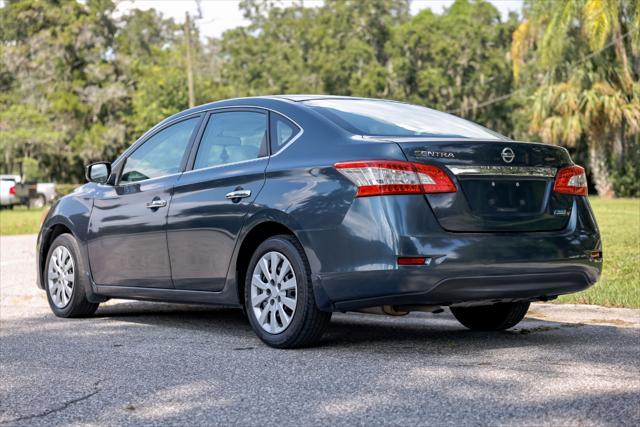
<point x="294" y="207"/>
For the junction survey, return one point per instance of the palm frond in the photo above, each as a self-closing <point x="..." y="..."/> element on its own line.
<point x="598" y="17"/>
<point x="634" y="27"/>
<point x="554" y="39"/>
<point x="519" y="46"/>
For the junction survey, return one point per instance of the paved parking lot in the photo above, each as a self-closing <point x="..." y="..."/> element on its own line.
<point x="143" y="363"/>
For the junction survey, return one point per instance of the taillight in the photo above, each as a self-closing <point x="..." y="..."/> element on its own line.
<point x="571" y="180"/>
<point x="417" y="260"/>
<point x="378" y="177"/>
<point x="12" y="191"/>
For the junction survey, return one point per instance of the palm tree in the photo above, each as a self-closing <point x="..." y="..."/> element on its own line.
<point x="585" y="89"/>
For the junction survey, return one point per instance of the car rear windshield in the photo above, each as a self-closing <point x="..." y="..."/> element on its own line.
<point x="388" y="118"/>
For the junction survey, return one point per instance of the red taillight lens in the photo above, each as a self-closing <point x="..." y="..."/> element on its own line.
<point x="379" y="177"/>
<point x="12" y="191"/>
<point x="418" y="260"/>
<point x="571" y="180"/>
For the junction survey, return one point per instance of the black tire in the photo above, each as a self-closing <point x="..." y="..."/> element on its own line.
<point x="495" y="317"/>
<point x="78" y="305"/>
<point x="308" y="322"/>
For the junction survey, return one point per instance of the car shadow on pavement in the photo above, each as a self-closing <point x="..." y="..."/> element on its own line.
<point x="156" y="363"/>
<point x="421" y="332"/>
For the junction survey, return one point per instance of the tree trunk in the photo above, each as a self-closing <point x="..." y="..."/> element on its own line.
<point x="618" y="147"/>
<point x="621" y="53"/>
<point x="600" y="170"/>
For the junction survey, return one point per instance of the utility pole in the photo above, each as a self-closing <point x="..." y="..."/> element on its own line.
<point x="187" y="31"/>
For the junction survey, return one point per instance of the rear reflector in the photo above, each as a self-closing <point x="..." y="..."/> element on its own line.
<point x="411" y="260"/>
<point x="571" y="180"/>
<point x="379" y="177"/>
<point x="12" y="191"/>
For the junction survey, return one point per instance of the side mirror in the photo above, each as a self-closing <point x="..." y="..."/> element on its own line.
<point x="98" y="172"/>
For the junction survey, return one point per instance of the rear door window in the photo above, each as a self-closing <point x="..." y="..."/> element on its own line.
<point x="232" y="137"/>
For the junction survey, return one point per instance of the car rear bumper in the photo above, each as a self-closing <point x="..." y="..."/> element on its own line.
<point x="419" y="287"/>
<point x="355" y="265"/>
<point x="9" y="201"/>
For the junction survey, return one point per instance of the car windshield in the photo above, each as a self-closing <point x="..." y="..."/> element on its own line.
<point x="388" y="118"/>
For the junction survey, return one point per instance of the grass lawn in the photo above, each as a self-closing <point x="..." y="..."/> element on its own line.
<point x="619" y="222"/>
<point x="619" y="285"/>
<point x="20" y="220"/>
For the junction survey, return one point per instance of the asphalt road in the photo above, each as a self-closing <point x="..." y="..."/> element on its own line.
<point x="142" y="364"/>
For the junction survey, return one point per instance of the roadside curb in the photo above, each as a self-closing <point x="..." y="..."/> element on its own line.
<point x="586" y="314"/>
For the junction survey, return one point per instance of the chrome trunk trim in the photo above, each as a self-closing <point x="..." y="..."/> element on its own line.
<point x="526" y="171"/>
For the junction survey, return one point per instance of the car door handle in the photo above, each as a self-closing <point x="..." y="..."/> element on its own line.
<point x="238" y="194"/>
<point x="157" y="203"/>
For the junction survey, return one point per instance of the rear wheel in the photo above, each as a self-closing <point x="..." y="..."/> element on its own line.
<point x="495" y="317"/>
<point x="65" y="280"/>
<point x="38" y="202"/>
<point x="279" y="298"/>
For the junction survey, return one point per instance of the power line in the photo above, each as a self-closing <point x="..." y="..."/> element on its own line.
<point x="510" y="94"/>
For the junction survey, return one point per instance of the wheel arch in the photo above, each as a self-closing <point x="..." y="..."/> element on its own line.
<point x="254" y="237"/>
<point x="53" y="231"/>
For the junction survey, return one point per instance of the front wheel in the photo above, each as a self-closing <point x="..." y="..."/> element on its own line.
<point x="496" y="317"/>
<point x="279" y="298"/>
<point x="65" y="280"/>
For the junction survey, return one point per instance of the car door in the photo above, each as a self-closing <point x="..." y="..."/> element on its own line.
<point x="127" y="243"/>
<point x="210" y="202"/>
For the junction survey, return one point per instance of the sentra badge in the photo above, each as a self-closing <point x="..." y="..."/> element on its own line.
<point x="435" y="154"/>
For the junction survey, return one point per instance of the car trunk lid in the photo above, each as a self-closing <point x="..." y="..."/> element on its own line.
<point x="503" y="186"/>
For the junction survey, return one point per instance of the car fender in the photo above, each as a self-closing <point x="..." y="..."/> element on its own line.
<point x="74" y="213"/>
<point x="288" y="221"/>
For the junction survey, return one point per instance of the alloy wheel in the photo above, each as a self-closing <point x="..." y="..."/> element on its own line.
<point x="274" y="292"/>
<point x="60" y="276"/>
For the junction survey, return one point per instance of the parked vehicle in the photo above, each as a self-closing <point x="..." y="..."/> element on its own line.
<point x="8" y="190"/>
<point x="36" y="194"/>
<point x="46" y="192"/>
<point x="294" y="207"/>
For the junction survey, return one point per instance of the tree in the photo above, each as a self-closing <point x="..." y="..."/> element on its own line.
<point x="57" y="56"/>
<point x="455" y="61"/>
<point x="78" y="84"/>
<point x="339" y="48"/>
<point x="586" y="91"/>
<point x="23" y="133"/>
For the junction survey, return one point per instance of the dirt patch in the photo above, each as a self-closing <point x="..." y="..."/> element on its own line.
<point x="536" y="314"/>
<point x="526" y="331"/>
<point x="617" y="322"/>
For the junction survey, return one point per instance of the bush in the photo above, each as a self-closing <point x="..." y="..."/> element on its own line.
<point x="31" y="171"/>
<point x="626" y="180"/>
<point x="64" y="189"/>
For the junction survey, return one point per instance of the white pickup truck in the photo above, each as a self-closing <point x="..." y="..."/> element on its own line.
<point x="8" y="196"/>
<point x="35" y="195"/>
<point x="45" y="194"/>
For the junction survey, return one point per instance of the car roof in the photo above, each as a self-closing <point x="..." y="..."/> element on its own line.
<point x="301" y="98"/>
<point x="230" y="102"/>
<point x="257" y="101"/>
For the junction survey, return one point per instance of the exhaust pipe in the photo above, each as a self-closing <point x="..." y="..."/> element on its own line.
<point x="403" y="310"/>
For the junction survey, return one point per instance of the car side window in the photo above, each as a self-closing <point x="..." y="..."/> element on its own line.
<point x="282" y="132"/>
<point x="232" y="137"/>
<point x="161" y="154"/>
